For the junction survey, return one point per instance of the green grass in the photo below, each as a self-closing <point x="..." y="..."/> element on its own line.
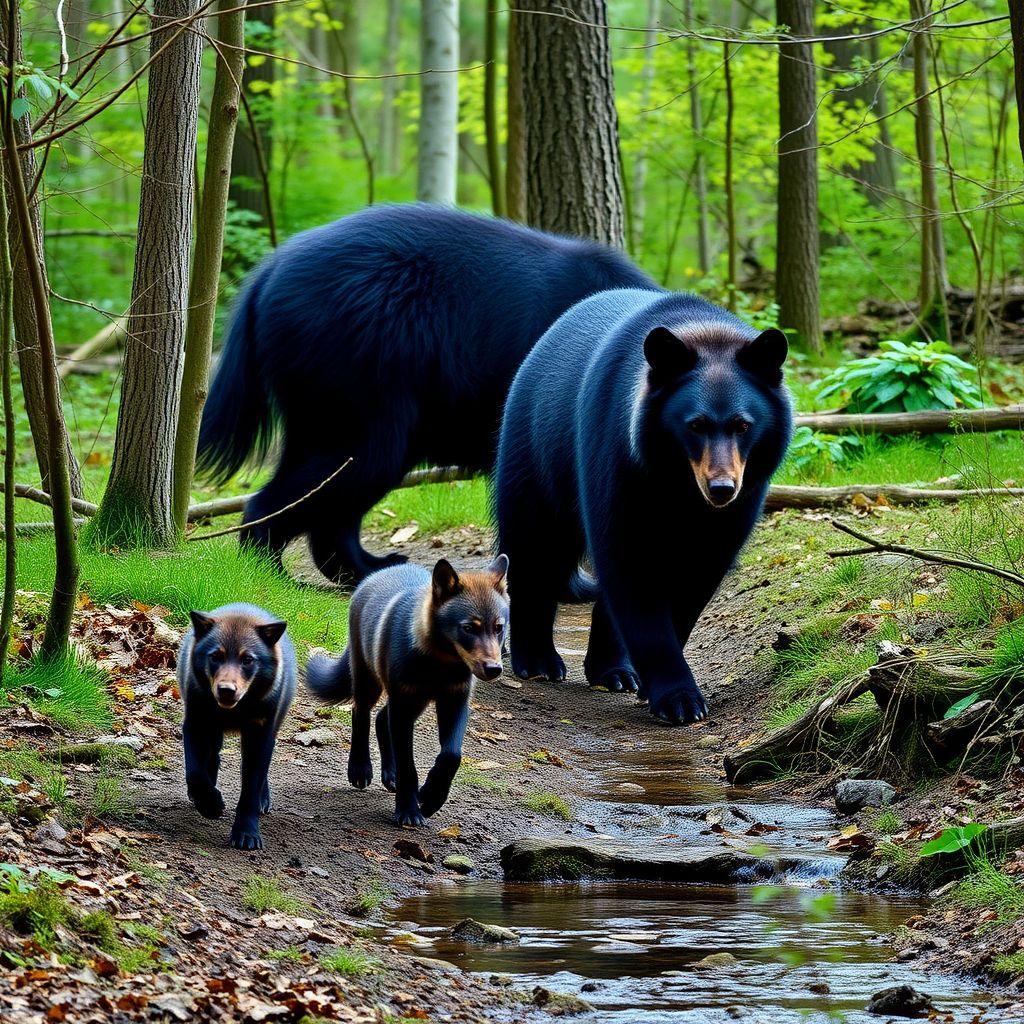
<point x="71" y="692"/>
<point x="434" y="507"/>
<point x="292" y="954"/>
<point x="204" y="575"/>
<point x="350" y="962"/>
<point x="371" y="896"/>
<point x="1008" y="966"/>
<point x="262" y="894"/>
<point x="26" y="764"/>
<point x="548" y="803"/>
<point x="987" y="888"/>
<point x="886" y="822"/>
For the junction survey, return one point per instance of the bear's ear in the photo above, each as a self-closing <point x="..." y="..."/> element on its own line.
<point x="667" y="355"/>
<point x="271" y="632"/>
<point x="498" y="568"/>
<point x="445" y="581"/>
<point x="201" y="623"/>
<point x="765" y="356"/>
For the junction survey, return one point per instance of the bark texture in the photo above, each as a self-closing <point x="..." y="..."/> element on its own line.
<point x="491" y="108"/>
<point x="1017" y="31"/>
<point x="26" y="329"/>
<point x="570" y="130"/>
<point x="797" y="260"/>
<point x="389" y="139"/>
<point x="202" y="298"/>
<point x="136" y="507"/>
<point x="439" y="103"/>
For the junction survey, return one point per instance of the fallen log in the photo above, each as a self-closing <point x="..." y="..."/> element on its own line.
<point x="113" y="334"/>
<point x="928" y="421"/>
<point x="782" y="496"/>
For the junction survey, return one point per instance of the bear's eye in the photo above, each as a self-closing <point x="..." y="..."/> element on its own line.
<point x="499" y="627"/>
<point x="472" y="628"/>
<point x="739" y="426"/>
<point x="699" y="425"/>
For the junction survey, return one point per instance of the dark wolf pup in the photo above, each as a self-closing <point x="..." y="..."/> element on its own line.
<point x="390" y="336"/>
<point x="419" y="637"/>
<point x="636" y="413"/>
<point x="236" y="673"/>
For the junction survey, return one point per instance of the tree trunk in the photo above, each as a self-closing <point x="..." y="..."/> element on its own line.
<point x="515" y="139"/>
<point x="491" y="108"/>
<point x="209" y="247"/>
<point x="26" y="329"/>
<point x="797" y="257"/>
<point x="638" y="206"/>
<point x="1017" y="31"/>
<point x="439" y="102"/>
<point x="730" y="185"/>
<point x="389" y="141"/>
<point x="10" y="430"/>
<point x="700" y="180"/>
<point x="570" y="126"/>
<point x="246" y="164"/>
<point x="136" y="507"/>
<point x="934" y="314"/>
<point x="65" y="580"/>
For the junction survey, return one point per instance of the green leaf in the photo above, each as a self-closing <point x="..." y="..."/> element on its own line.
<point x="961" y="705"/>
<point x="953" y="839"/>
<point x="19" y="108"/>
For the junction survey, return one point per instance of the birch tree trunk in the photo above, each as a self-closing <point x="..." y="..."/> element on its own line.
<point x="570" y="129"/>
<point x="439" y="102"/>
<point x="136" y="507"/>
<point x="209" y="248"/>
<point x="700" y="176"/>
<point x="26" y="328"/>
<point x="797" y="259"/>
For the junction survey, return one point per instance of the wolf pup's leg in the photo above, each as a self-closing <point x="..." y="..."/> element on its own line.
<point x="401" y="720"/>
<point x="257" y="750"/>
<point x="367" y="692"/>
<point x="202" y="759"/>
<point x="387" y="753"/>
<point x="452" y="716"/>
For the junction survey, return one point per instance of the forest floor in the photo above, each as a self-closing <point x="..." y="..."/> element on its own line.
<point x="294" y="929"/>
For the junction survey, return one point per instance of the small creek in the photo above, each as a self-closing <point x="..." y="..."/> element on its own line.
<point x="612" y="942"/>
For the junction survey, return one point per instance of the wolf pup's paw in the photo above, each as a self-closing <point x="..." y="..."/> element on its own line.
<point x="208" y="802"/>
<point x="411" y="818"/>
<point x="360" y="775"/>
<point x="548" y="666"/>
<point x="388" y="779"/>
<point x="245" y="835"/>
<point x="678" y="706"/>
<point x="430" y="804"/>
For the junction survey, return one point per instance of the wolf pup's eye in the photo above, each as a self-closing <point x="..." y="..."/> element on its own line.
<point x="216" y="657"/>
<point x="247" y="660"/>
<point x="471" y="628"/>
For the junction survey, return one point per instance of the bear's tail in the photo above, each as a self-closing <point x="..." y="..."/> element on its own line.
<point x="581" y="589"/>
<point x="328" y="679"/>
<point x="238" y="416"/>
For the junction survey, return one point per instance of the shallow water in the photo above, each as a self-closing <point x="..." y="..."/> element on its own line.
<point x="617" y="939"/>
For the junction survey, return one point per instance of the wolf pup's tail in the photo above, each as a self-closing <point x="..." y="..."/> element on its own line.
<point x="328" y="679"/>
<point x="238" y="416"/>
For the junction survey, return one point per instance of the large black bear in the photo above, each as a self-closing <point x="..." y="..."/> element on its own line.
<point x="390" y="336"/>
<point x="642" y="429"/>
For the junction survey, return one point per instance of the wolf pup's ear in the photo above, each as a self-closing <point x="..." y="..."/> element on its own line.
<point x="271" y="632"/>
<point x="498" y="569"/>
<point x="445" y="582"/>
<point x="201" y="623"/>
<point x="667" y="355"/>
<point x="765" y="356"/>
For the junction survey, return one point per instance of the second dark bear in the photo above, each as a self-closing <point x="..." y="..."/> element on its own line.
<point x="390" y="336"/>
<point x="642" y="429"/>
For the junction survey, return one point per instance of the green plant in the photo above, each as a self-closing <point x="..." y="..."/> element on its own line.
<point x="370" y="897"/>
<point x="905" y="378"/>
<point x="262" y="894"/>
<point x="292" y="953"/>
<point x="69" y="691"/>
<point x="886" y="821"/>
<point x="350" y="962"/>
<point x="548" y="803"/>
<point x="987" y="888"/>
<point x="812" y="452"/>
<point x="952" y="839"/>
<point x="1008" y="966"/>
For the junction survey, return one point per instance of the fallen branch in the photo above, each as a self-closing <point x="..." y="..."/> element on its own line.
<point x="87" y="508"/>
<point x="113" y="334"/>
<point x="30" y="529"/>
<point x="873" y="546"/>
<point x="780" y="497"/>
<point x="929" y="421"/>
<point x="273" y="515"/>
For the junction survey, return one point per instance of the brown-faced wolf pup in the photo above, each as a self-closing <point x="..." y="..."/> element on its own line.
<point x="236" y="673"/>
<point x="421" y="637"/>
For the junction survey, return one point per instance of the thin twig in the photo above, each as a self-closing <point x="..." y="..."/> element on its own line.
<point x="874" y="546"/>
<point x="257" y="522"/>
